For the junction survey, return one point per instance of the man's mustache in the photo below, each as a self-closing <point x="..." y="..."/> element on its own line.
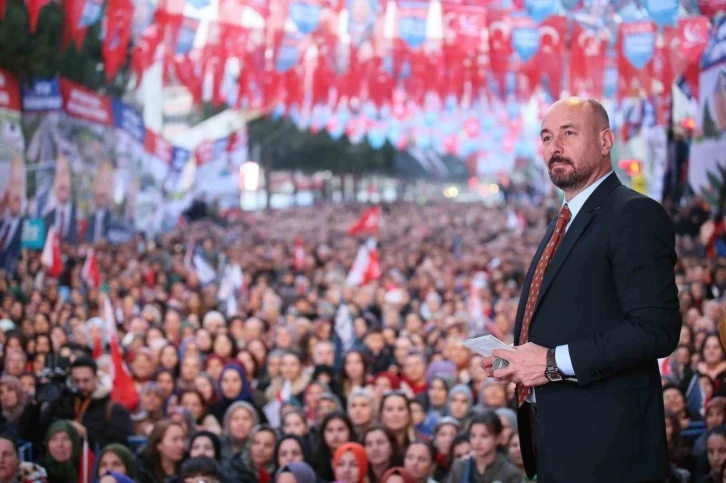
<point x="560" y="159"/>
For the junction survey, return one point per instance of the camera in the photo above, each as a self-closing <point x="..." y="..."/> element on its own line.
<point x="53" y="380"/>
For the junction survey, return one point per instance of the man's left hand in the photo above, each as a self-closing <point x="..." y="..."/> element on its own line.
<point x="527" y="365"/>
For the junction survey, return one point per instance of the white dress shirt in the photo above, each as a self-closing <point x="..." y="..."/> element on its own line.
<point x="562" y="352"/>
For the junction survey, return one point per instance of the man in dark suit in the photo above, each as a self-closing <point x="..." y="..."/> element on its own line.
<point x="599" y="306"/>
<point x="100" y="221"/>
<point x="11" y="225"/>
<point x="61" y="212"/>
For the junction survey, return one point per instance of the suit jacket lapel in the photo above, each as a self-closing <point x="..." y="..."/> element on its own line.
<point x="577" y="228"/>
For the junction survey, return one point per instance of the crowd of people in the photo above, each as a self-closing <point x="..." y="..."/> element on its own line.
<point x="293" y="374"/>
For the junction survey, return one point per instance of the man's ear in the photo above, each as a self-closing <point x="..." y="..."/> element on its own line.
<point x="607" y="139"/>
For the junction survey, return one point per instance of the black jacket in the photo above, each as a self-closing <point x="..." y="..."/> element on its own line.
<point x="106" y="423"/>
<point x="610" y="294"/>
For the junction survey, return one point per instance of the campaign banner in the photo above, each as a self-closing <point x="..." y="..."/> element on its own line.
<point x="637" y="43"/>
<point x="305" y="14"/>
<point x="9" y="91"/>
<point x="539" y="10"/>
<point x="41" y="95"/>
<point x="12" y="146"/>
<point x="412" y="19"/>
<point x="83" y="103"/>
<point x="128" y="120"/>
<point x="709" y="144"/>
<point x="525" y="37"/>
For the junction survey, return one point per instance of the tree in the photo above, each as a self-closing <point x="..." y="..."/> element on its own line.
<point x="40" y="55"/>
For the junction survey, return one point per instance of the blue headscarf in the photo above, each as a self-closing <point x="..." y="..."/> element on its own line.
<point x="119" y="477"/>
<point x="246" y="392"/>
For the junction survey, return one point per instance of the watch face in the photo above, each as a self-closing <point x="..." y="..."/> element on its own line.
<point x="553" y="375"/>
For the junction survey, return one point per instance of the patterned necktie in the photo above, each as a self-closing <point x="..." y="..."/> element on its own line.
<point x="544" y="260"/>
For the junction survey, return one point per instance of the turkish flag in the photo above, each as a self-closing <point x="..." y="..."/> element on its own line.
<point x="587" y="63"/>
<point x="51" y="256"/>
<point x="119" y="15"/>
<point x="369" y="222"/>
<point x="90" y="272"/>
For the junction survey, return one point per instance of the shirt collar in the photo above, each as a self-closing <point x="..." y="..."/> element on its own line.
<point x="576" y="203"/>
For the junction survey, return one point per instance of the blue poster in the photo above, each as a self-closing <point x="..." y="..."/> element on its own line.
<point x="33" y="234"/>
<point x="539" y="10"/>
<point x="663" y="12"/>
<point x="288" y="53"/>
<point x="127" y="119"/>
<point x="525" y="38"/>
<point x="91" y="13"/>
<point x="638" y="47"/>
<point x="306" y="15"/>
<point x="187" y="35"/>
<point x="412" y="19"/>
<point x="41" y="95"/>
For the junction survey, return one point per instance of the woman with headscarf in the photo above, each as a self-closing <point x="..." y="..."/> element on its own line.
<point x="240" y="419"/>
<point x="17" y="415"/>
<point x="296" y="472"/>
<point x="118" y="459"/>
<point x="460" y="404"/>
<point x="350" y="463"/>
<point x="234" y="387"/>
<point x="509" y="425"/>
<point x="362" y="408"/>
<point x="257" y="461"/>
<point x="150" y="410"/>
<point x="437" y="396"/>
<point x="112" y="477"/>
<point x="64" y="460"/>
<point x="290" y="448"/>
<point x="398" y="474"/>
<point x="444" y="433"/>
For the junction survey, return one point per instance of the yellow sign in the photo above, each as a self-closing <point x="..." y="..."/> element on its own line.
<point x="639" y="183"/>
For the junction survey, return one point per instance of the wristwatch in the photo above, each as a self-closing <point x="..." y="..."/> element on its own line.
<point x="552" y="373"/>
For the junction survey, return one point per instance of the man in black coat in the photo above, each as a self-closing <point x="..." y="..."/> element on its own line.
<point x="599" y="306"/>
<point x="104" y="421"/>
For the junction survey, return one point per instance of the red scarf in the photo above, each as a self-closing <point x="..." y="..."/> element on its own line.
<point x="264" y="475"/>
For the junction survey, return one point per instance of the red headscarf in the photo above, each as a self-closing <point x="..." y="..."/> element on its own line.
<point x="400" y="471"/>
<point x="360" y="455"/>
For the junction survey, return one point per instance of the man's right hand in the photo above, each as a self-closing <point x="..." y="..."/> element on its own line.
<point x="487" y="364"/>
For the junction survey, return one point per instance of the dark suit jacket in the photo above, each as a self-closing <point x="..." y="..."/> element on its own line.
<point x="610" y="294"/>
<point x="91" y="228"/>
<point x="10" y="257"/>
<point x="72" y="232"/>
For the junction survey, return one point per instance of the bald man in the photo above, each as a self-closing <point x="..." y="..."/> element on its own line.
<point x="598" y="308"/>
